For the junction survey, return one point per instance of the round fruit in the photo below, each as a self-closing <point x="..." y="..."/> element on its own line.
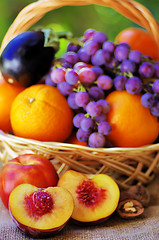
<point x="73" y="140"/>
<point x="25" y="60"/>
<point x="8" y="93"/>
<point x="38" y="212"/>
<point x="132" y="123"/>
<point x="41" y="112"/>
<point x="140" y="40"/>
<point x="26" y="168"/>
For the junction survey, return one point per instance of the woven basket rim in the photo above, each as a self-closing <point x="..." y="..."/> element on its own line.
<point x="60" y="145"/>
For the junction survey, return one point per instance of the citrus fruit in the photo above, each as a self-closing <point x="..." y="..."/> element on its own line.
<point x="41" y="112"/>
<point x="132" y="123"/>
<point x="8" y="92"/>
<point x="140" y="40"/>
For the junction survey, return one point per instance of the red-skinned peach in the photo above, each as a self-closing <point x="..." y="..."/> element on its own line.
<point x="26" y="168"/>
<point x="40" y="212"/>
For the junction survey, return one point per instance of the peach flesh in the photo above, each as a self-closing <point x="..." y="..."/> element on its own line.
<point x="38" y="203"/>
<point x="89" y="195"/>
<point x="40" y="212"/>
<point x="95" y="199"/>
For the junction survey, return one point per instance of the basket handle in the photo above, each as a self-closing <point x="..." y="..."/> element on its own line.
<point x="35" y="11"/>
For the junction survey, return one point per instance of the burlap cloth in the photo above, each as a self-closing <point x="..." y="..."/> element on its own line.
<point x="145" y="227"/>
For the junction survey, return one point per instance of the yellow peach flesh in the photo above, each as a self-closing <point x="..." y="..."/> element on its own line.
<point x="99" y="210"/>
<point x="58" y="216"/>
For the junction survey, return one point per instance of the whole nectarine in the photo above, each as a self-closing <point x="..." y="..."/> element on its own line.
<point x="26" y="168"/>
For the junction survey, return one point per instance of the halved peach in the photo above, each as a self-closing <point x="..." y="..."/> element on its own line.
<point x="40" y="212"/>
<point x="94" y="199"/>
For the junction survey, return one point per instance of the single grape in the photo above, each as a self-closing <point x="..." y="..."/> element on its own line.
<point x="156" y="70"/>
<point x="66" y="65"/>
<point x="72" y="47"/>
<point x="96" y="93"/>
<point x="90" y="47"/>
<point x="71" y="101"/>
<point x="79" y="65"/>
<point x="147" y="100"/>
<point x="155" y="86"/>
<point x="146" y="70"/>
<point x="77" y="119"/>
<point x="82" y="99"/>
<point x="101" y="57"/>
<point x="104" y="128"/>
<point x="97" y="70"/>
<point x="128" y="66"/>
<point x="155" y="109"/>
<point x="105" y="105"/>
<point x="104" y="82"/>
<point x="71" y="57"/>
<point x="89" y="33"/>
<point x="99" y="37"/>
<point x="121" y="52"/>
<point x="48" y="81"/>
<point x="71" y="76"/>
<point x="83" y="135"/>
<point x="83" y="55"/>
<point x="101" y="118"/>
<point x="58" y="75"/>
<point x="96" y="140"/>
<point x="133" y="85"/>
<point x="65" y="88"/>
<point x="135" y="56"/>
<point x="87" y="123"/>
<point x="109" y="46"/>
<point x="119" y="82"/>
<point x="124" y="44"/>
<point x="93" y="108"/>
<point x="86" y="75"/>
<point x="112" y="64"/>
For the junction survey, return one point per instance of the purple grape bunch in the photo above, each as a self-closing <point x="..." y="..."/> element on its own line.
<point x="93" y="67"/>
<point x="92" y="126"/>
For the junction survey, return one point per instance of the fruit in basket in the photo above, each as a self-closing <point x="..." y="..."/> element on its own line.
<point x="73" y="140"/>
<point x="140" y="40"/>
<point x="41" y="112"/>
<point x="26" y="168"/>
<point x="132" y="124"/>
<point x="8" y="92"/>
<point x="92" y="70"/>
<point x="25" y="60"/>
<point x="40" y="212"/>
<point x="95" y="199"/>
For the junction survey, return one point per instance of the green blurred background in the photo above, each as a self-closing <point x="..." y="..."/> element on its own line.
<point x="75" y="19"/>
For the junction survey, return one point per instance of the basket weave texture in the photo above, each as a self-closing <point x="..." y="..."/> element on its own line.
<point x="127" y="165"/>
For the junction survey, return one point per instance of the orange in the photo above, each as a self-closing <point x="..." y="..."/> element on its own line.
<point x="132" y="123"/>
<point x="41" y="112"/>
<point x="140" y="40"/>
<point x="8" y="92"/>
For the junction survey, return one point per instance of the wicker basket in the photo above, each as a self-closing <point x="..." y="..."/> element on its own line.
<point x="127" y="165"/>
